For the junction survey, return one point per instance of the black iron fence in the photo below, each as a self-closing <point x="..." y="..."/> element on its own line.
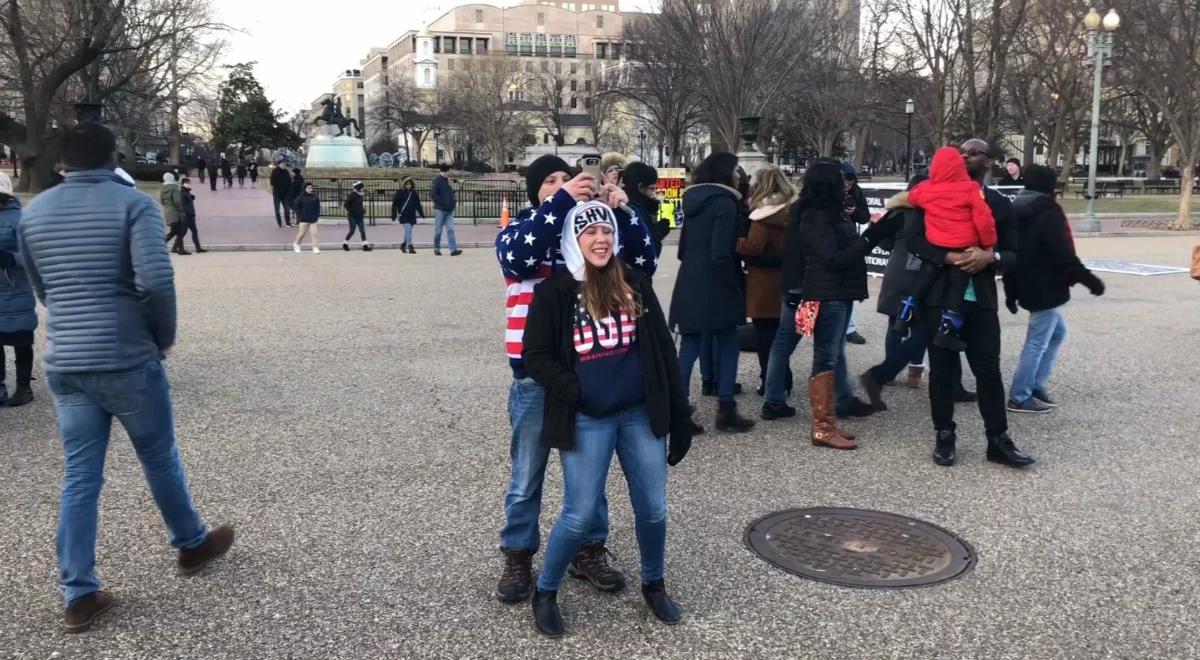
<point x="477" y="199"/>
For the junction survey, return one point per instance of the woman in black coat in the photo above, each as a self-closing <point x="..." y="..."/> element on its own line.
<point x="598" y="344"/>
<point x="834" y="276"/>
<point x="241" y="173"/>
<point x="406" y="206"/>
<point x="709" y="292"/>
<point x="252" y="171"/>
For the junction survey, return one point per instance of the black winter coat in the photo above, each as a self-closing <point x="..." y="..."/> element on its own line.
<point x="188" y="203"/>
<point x="709" y="291"/>
<point x="986" y="296"/>
<point x="825" y="244"/>
<point x="549" y="354"/>
<point x="296" y="187"/>
<point x="902" y="267"/>
<point x="354" y="205"/>
<point x="406" y="206"/>
<point x="281" y="181"/>
<point x="1048" y="263"/>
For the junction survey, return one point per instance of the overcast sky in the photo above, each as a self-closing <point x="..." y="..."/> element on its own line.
<point x="302" y="45"/>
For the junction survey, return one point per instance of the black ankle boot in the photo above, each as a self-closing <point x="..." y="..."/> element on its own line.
<point x="20" y="396"/>
<point x="943" y="451"/>
<point x="772" y="410"/>
<point x="546" y="616"/>
<point x="1001" y="449"/>
<point x="728" y="419"/>
<point x="661" y="605"/>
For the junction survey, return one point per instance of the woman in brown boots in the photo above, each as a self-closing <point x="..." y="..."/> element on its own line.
<point x="835" y="275"/>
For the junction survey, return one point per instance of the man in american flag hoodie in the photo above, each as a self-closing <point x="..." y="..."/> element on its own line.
<point x="527" y="250"/>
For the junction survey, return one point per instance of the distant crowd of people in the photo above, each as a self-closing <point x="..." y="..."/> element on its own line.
<point x="596" y="369"/>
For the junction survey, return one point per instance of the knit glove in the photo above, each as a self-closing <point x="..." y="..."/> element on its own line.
<point x="1093" y="283"/>
<point x="1011" y="304"/>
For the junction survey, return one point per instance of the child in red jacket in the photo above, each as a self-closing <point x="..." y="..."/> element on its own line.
<point x="956" y="217"/>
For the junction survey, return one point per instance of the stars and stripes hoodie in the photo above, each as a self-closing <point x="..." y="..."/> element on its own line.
<point x="528" y="250"/>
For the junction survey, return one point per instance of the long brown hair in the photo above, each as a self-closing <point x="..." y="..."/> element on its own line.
<point x="606" y="291"/>
<point x="771" y="187"/>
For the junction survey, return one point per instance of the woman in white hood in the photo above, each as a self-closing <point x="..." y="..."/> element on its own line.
<point x="597" y="341"/>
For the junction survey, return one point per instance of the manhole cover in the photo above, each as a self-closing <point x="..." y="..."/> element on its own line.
<point x="860" y="548"/>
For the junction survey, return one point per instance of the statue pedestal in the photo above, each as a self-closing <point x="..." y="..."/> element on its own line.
<point x="329" y="152"/>
<point x="752" y="160"/>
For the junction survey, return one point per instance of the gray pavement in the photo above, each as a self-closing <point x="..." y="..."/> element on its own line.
<point x="347" y="413"/>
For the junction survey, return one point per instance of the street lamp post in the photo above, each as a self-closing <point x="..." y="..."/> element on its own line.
<point x="1100" y="48"/>
<point x="642" y="143"/>
<point x="910" y="108"/>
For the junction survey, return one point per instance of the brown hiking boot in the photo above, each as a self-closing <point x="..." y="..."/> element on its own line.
<point x="217" y="543"/>
<point x="824" y="426"/>
<point x="82" y="611"/>
<point x="517" y="579"/>
<point x="591" y="564"/>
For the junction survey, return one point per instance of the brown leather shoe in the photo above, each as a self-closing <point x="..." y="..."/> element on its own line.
<point x="824" y="427"/>
<point x="217" y="543"/>
<point x="82" y="612"/>
<point x="914" y="376"/>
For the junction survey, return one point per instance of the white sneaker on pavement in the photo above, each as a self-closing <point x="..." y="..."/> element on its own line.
<point x="316" y="250"/>
<point x="296" y="248"/>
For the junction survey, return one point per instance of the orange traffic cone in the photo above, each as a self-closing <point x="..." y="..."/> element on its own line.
<point x="504" y="217"/>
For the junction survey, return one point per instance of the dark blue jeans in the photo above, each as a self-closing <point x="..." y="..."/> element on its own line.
<point x="523" y="502"/>
<point x="829" y="346"/>
<point x="899" y="352"/>
<point x="725" y="346"/>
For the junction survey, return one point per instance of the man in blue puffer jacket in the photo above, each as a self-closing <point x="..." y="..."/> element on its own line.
<point x="18" y="319"/>
<point x="94" y="251"/>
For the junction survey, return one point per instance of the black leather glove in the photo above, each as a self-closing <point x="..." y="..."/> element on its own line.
<point x="1093" y="283"/>
<point x="1011" y="304"/>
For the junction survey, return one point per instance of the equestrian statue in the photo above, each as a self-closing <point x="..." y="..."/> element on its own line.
<point x="332" y="115"/>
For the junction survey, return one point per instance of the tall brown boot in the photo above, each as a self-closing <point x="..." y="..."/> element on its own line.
<point x="824" y="427"/>
<point x="914" y="376"/>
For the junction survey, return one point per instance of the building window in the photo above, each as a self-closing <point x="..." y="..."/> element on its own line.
<point x="449" y="44"/>
<point x="574" y="103"/>
<point x="587" y="69"/>
<point x="546" y="138"/>
<point x="600" y="21"/>
<point x="569" y="46"/>
<point x="526" y="44"/>
<point x="478" y="15"/>
<point x="539" y="45"/>
<point x="601" y="51"/>
<point x="558" y="68"/>
<point x="574" y="85"/>
<point x="545" y="66"/>
<point x="572" y="68"/>
<point x="449" y="63"/>
<point x="616" y="51"/>
<point x="587" y="102"/>
<point x="587" y="85"/>
<point x="437" y="44"/>
<point x="428" y="76"/>
<point x="541" y="18"/>
<point x="510" y="43"/>
<point x="529" y="67"/>
<point x="556" y="45"/>
<point x="481" y="46"/>
<point x="464" y="45"/>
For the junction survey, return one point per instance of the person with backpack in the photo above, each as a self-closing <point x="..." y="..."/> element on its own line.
<point x="355" y="214"/>
<point x="406" y="206"/>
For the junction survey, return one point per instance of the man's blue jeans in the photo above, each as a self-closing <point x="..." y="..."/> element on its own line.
<point x="778" y="364"/>
<point x="86" y="403"/>
<point x="829" y="346"/>
<point x="1047" y="330"/>
<point x="443" y="219"/>
<point x="725" y="350"/>
<point x="585" y="473"/>
<point x="523" y="502"/>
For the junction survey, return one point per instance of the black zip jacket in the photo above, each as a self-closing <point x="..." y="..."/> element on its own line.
<point x="549" y="356"/>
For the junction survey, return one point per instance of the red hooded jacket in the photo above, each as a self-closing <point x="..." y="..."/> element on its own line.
<point x="956" y="215"/>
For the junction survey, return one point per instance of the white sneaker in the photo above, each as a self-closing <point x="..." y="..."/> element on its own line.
<point x="296" y="248"/>
<point x="316" y="250"/>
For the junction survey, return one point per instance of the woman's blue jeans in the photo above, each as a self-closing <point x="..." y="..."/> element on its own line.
<point x="585" y="473"/>
<point x="829" y="346"/>
<point x="725" y="346"/>
<point x="408" y="233"/>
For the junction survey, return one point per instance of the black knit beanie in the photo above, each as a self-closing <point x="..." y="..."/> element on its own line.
<point x="539" y="170"/>
<point x="639" y="174"/>
<point x="1040" y="178"/>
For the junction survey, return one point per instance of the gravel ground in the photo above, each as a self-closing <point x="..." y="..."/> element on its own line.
<point x="347" y="413"/>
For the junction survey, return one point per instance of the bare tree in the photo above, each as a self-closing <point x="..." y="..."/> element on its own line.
<point x="739" y="55"/>
<point x="415" y="113"/>
<point x="1161" y="41"/>
<point x="603" y="107"/>
<point x="478" y="101"/>
<point x="932" y="31"/>
<point x="986" y="46"/>
<point x="656" y="87"/>
<point x="56" y="52"/>
<point x="549" y="93"/>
